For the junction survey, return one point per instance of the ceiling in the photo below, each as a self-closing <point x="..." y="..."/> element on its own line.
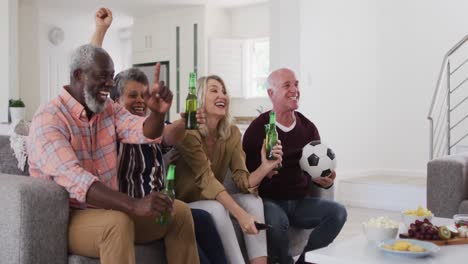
<point x="139" y="7"/>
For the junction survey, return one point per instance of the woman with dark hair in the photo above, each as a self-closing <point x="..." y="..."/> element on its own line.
<point x="141" y="167"/>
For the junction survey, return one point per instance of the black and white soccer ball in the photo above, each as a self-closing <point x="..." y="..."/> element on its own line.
<point x="317" y="159"/>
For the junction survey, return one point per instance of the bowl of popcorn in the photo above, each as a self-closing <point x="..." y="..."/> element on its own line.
<point x="410" y="216"/>
<point x="461" y="224"/>
<point x="380" y="228"/>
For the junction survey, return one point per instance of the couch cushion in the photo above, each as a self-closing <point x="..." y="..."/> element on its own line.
<point x="8" y="162"/>
<point x="75" y="259"/>
<point x="145" y="254"/>
<point x="33" y="221"/>
<point x="446" y="184"/>
<point x="463" y="209"/>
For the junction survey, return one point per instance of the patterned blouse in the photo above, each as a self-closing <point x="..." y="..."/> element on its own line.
<point x="140" y="169"/>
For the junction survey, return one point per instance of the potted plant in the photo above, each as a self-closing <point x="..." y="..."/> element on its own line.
<point x="17" y="110"/>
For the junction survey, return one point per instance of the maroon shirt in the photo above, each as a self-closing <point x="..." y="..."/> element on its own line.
<point x="291" y="183"/>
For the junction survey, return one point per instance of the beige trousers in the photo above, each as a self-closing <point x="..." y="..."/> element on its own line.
<point x="110" y="235"/>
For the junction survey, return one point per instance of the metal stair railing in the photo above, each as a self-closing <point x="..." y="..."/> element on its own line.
<point x="441" y="129"/>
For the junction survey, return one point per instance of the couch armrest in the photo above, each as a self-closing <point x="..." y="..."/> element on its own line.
<point x="447" y="184"/>
<point x="33" y="222"/>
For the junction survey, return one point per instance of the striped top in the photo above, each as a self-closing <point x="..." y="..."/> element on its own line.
<point x="140" y="169"/>
<point x="74" y="151"/>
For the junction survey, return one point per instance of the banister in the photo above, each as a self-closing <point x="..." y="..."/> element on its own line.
<point x="442" y="71"/>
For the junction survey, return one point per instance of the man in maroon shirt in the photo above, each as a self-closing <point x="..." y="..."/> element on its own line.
<point x="285" y="193"/>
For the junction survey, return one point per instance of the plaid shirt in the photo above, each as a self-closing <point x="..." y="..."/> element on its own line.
<point x="68" y="148"/>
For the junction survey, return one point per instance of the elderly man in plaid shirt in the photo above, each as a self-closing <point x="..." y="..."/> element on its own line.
<point x="73" y="143"/>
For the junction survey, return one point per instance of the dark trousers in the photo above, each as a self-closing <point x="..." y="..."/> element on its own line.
<point x="324" y="216"/>
<point x="210" y="248"/>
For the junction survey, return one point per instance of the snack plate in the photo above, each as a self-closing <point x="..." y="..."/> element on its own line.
<point x="452" y="241"/>
<point x="430" y="248"/>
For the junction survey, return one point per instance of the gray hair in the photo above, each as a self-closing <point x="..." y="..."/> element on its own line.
<point x="121" y="79"/>
<point x="271" y="82"/>
<point x="83" y="57"/>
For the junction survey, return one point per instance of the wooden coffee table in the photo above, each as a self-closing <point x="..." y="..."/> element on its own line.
<point x="358" y="250"/>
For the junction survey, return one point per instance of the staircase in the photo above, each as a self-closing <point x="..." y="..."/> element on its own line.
<point x="448" y="112"/>
<point x="448" y="123"/>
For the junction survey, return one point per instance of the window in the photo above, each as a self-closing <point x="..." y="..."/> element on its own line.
<point x="244" y="65"/>
<point x="260" y="66"/>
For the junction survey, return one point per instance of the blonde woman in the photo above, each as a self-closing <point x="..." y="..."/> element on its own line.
<point x="206" y="155"/>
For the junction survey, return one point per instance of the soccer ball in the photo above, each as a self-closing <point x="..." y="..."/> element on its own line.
<point x="317" y="159"/>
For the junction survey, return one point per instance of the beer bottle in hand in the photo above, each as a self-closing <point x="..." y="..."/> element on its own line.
<point x="191" y="104"/>
<point x="271" y="136"/>
<point x="165" y="217"/>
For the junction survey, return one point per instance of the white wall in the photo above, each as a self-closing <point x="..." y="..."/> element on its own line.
<point x="413" y="36"/>
<point x="217" y="25"/>
<point x="46" y="65"/>
<point x="13" y="49"/>
<point x="28" y="64"/>
<point x="78" y="29"/>
<point x="252" y="21"/>
<point x="8" y="51"/>
<point x="169" y="19"/>
<point x="369" y="69"/>
<point x="4" y="51"/>
<point x="339" y="78"/>
<point x="285" y="27"/>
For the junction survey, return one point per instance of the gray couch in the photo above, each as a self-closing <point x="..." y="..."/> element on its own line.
<point x="34" y="219"/>
<point x="447" y="185"/>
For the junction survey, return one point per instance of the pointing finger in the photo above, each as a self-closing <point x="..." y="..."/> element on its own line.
<point x="156" y="73"/>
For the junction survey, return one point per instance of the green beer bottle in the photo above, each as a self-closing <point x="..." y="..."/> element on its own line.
<point x="191" y="104"/>
<point x="271" y="136"/>
<point x="165" y="217"/>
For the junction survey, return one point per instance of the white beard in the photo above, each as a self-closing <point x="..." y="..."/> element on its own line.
<point x="91" y="102"/>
